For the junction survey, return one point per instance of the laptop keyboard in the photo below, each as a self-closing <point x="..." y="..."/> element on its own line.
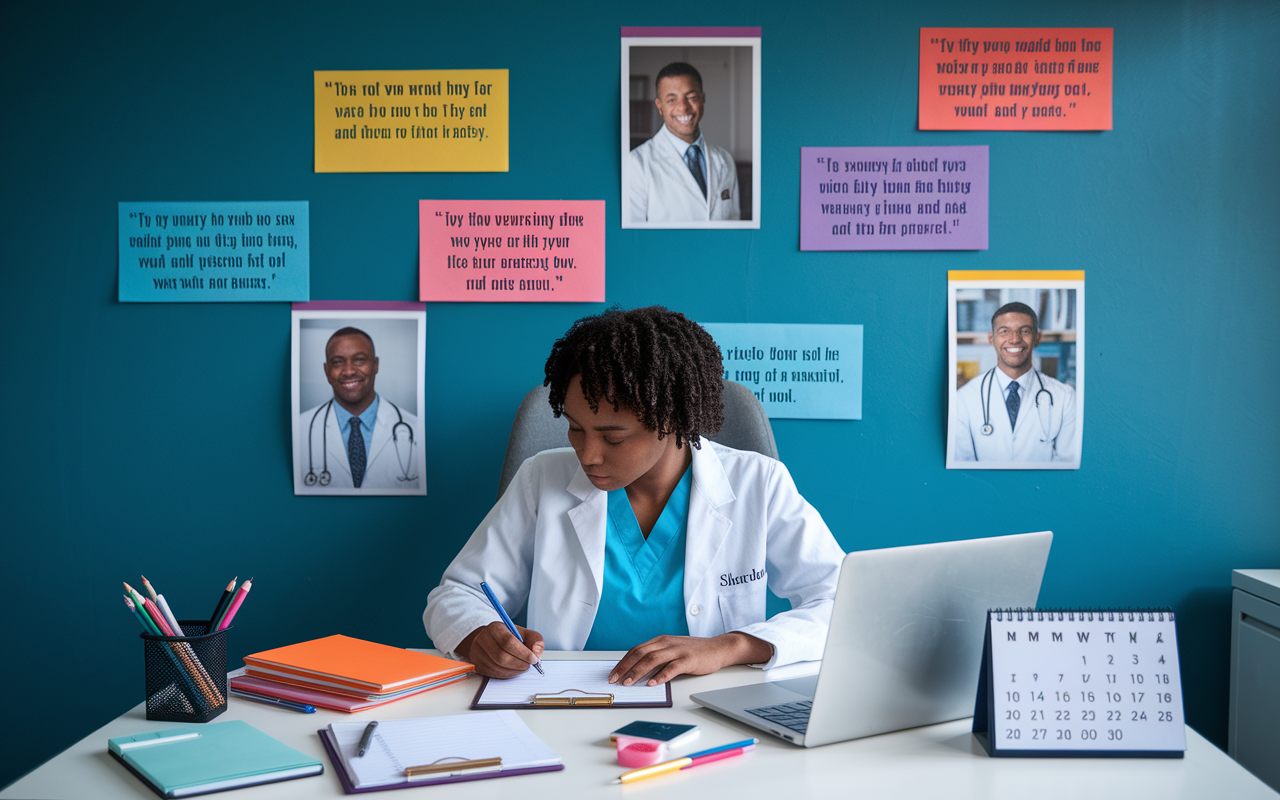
<point x="789" y="715"/>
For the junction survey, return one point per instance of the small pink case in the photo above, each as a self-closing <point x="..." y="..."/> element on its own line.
<point x="634" y="752"/>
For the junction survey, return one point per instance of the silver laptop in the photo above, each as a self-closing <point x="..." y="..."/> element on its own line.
<point x="905" y="642"/>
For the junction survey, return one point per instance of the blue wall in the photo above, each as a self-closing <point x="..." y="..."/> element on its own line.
<point x="155" y="438"/>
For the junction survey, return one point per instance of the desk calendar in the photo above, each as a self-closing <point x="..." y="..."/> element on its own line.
<point x="1080" y="684"/>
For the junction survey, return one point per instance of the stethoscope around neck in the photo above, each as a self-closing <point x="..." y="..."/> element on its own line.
<point x="311" y="479"/>
<point x="1042" y="414"/>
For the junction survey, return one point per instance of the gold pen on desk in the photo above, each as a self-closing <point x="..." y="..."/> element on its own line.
<point x="456" y="766"/>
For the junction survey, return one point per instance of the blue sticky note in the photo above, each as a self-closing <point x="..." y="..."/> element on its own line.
<point x="797" y="371"/>
<point x="223" y="252"/>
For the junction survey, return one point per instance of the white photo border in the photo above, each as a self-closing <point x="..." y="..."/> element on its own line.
<point x="693" y="41"/>
<point x="357" y="311"/>
<point x="996" y="282"/>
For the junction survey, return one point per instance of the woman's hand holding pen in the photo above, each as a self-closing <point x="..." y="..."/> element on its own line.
<point x="661" y="659"/>
<point x="498" y="654"/>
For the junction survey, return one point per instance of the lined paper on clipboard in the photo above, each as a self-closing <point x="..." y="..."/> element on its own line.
<point x="401" y="744"/>
<point x="586" y="682"/>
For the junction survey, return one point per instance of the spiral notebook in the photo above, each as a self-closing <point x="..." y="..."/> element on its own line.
<point x="1082" y="683"/>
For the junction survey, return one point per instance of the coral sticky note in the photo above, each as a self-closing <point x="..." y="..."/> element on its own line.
<point x="1015" y="79"/>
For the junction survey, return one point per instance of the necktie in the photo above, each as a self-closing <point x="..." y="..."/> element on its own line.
<point x="355" y="452"/>
<point x="693" y="158"/>
<point x="1013" y="403"/>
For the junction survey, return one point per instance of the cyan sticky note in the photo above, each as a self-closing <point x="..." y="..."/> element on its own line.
<point x="797" y="371"/>
<point x="215" y="252"/>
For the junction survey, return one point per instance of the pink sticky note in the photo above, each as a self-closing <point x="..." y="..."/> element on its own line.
<point x="511" y="251"/>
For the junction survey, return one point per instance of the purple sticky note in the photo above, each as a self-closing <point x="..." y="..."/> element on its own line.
<point x="893" y="198"/>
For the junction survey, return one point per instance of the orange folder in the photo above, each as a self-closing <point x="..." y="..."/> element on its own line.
<point x="374" y="668"/>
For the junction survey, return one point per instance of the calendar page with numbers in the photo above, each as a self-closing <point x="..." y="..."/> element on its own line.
<point x="1081" y="683"/>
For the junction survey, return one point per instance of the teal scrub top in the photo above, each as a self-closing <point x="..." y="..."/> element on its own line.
<point x="643" y="593"/>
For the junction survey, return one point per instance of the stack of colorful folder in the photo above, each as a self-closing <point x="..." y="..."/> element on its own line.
<point x="345" y="674"/>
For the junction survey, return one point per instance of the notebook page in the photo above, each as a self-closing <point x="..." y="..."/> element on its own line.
<point x="401" y="743"/>
<point x="592" y="677"/>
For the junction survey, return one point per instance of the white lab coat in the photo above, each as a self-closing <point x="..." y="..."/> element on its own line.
<point x="660" y="187"/>
<point x="383" y="463"/>
<point x="543" y="543"/>
<point x="1047" y="433"/>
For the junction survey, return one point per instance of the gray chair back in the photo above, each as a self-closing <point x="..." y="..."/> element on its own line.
<point x="746" y="427"/>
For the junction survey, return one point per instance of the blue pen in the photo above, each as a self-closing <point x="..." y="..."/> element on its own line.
<point x="305" y="708"/>
<point x="511" y="626"/>
<point x="710" y="750"/>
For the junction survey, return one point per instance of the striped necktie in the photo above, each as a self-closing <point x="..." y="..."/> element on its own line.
<point x="693" y="158"/>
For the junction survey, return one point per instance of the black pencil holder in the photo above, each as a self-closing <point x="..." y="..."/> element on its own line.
<point x="186" y="675"/>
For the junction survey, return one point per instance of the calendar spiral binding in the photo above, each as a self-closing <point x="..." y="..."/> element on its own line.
<point x="1158" y="614"/>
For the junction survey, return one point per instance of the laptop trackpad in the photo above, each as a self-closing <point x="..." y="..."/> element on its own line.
<point x="806" y="686"/>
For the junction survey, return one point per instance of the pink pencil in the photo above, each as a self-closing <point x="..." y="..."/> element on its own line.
<point x="159" y="618"/>
<point x="235" y="604"/>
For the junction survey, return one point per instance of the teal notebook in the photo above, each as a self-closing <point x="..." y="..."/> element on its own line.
<point x="199" y="759"/>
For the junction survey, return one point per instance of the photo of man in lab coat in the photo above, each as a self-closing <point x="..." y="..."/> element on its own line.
<point x="678" y="176"/>
<point x="1013" y="415"/>
<point x="356" y="440"/>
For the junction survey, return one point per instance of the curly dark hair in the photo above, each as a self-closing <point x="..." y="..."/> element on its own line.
<point x="654" y="361"/>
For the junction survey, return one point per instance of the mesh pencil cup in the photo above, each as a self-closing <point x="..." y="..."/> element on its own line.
<point x="186" y="675"/>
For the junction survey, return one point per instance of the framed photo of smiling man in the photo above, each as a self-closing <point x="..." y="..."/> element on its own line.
<point x="690" y="127"/>
<point x="1016" y="379"/>
<point x="357" y="398"/>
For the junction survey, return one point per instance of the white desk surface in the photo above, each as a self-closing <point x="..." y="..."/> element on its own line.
<point x="930" y="762"/>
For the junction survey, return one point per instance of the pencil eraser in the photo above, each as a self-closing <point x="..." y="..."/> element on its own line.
<point x="634" y="752"/>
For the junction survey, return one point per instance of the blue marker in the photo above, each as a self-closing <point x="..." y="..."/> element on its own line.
<point x="511" y="626"/>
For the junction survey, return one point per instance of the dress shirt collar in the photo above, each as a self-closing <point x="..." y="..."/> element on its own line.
<point x="367" y="417"/>
<point x="1025" y="382"/>
<point x="681" y="145"/>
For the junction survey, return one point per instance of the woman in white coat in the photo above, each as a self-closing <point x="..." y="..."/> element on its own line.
<point x="644" y="536"/>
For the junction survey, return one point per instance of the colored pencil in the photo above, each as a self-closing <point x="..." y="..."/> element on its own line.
<point x="222" y="604"/>
<point x="235" y="605"/>
<point x="146" y="625"/>
<point x="691" y="760"/>
<point x="194" y="691"/>
<point x="721" y="748"/>
<point x="188" y="656"/>
<point x="158" y="599"/>
<point x="168" y="615"/>
<point x="182" y="651"/>
<point x="151" y="590"/>
<point x="152" y="627"/>
<point x="163" y="624"/>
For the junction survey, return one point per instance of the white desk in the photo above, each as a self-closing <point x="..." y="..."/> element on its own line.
<point x="935" y="761"/>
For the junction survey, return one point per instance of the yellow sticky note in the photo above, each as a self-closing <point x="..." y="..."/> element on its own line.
<point x="413" y="120"/>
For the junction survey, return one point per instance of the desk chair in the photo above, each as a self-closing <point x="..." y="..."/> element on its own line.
<point x="746" y="427"/>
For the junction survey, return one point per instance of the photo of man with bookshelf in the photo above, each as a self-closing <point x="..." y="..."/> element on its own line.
<point x="690" y="106"/>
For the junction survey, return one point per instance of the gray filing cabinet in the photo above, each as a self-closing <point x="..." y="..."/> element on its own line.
<point x="1253" y="738"/>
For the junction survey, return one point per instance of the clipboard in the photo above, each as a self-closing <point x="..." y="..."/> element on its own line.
<point x="568" y="684"/>
<point x="326" y="738"/>
<point x="567" y="698"/>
